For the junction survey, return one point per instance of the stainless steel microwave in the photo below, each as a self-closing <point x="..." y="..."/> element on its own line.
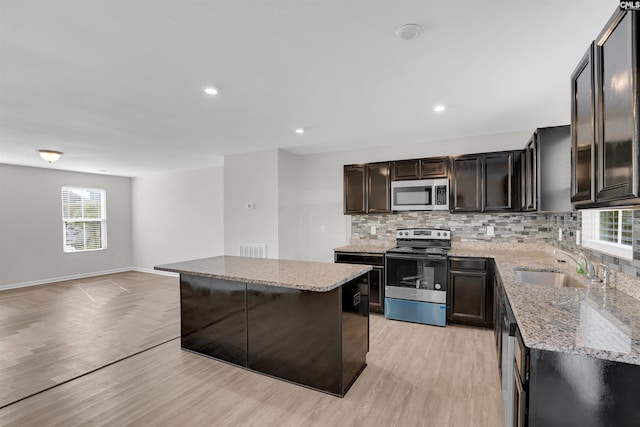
<point x="420" y="195"/>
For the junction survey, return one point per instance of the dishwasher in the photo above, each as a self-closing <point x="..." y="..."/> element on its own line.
<point x="506" y="361"/>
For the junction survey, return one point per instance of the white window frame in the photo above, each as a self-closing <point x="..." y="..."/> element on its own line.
<point x="102" y="220"/>
<point x="591" y="235"/>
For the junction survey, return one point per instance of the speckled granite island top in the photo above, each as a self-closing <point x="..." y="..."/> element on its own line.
<point x="367" y="246"/>
<point x="304" y="275"/>
<point x="603" y="323"/>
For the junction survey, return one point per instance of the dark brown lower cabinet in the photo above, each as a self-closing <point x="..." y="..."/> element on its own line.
<point x="573" y="390"/>
<point x="316" y="339"/>
<point x="470" y="291"/>
<point x="376" y="276"/>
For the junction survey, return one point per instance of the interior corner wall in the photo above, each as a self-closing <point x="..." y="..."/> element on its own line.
<point x="251" y="178"/>
<point x="31" y="228"/>
<point x="177" y="216"/>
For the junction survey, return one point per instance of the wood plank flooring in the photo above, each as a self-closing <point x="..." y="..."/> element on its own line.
<point x="417" y="375"/>
<point x="52" y="333"/>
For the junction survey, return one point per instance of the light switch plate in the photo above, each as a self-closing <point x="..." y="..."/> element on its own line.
<point x="373" y="229"/>
<point x="490" y="230"/>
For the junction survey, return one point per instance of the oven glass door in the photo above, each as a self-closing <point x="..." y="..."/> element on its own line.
<point x="418" y="196"/>
<point x="416" y="272"/>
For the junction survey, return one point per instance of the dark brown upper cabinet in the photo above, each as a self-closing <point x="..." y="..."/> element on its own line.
<point x="355" y="187"/>
<point x="378" y="188"/>
<point x="405" y="170"/>
<point x="466" y="187"/>
<point x="617" y="108"/>
<point x="483" y="182"/>
<point x="583" y="142"/>
<point x="367" y="188"/>
<point x="528" y="177"/>
<point x="605" y="117"/>
<point x="545" y="181"/>
<point x="431" y="168"/>
<point x="437" y="167"/>
<point x="498" y="182"/>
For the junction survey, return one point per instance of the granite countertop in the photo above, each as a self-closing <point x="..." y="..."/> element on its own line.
<point x="603" y="323"/>
<point x="304" y="275"/>
<point x="368" y="246"/>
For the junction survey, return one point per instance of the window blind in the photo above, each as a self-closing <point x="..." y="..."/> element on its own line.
<point x="83" y="215"/>
<point x="616" y="227"/>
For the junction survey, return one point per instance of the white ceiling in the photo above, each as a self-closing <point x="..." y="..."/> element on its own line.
<point x="117" y="85"/>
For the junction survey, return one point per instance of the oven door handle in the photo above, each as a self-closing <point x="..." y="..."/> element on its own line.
<point x="416" y="256"/>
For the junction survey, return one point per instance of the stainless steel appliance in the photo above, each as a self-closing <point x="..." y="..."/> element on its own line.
<point x="508" y="330"/>
<point x="420" y="195"/>
<point x="416" y="270"/>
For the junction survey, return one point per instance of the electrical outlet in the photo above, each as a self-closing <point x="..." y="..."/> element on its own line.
<point x="560" y="234"/>
<point x="373" y="229"/>
<point x="490" y="230"/>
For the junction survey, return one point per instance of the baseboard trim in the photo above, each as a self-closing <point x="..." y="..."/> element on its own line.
<point x="85" y="275"/>
<point x="63" y="278"/>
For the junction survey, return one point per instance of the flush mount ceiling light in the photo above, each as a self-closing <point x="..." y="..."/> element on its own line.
<point x="300" y="131"/>
<point x="439" y="108"/>
<point x="211" y="90"/>
<point x="50" y="155"/>
<point x="409" y="31"/>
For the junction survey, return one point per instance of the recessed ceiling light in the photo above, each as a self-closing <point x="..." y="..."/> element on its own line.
<point x="409" y="31"/>
<point x="439" y="108"/>
<point x="211" y="90"/>
<point x="300" y="130"/>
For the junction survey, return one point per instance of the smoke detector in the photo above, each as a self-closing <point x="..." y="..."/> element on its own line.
<point x="409" y="31"/>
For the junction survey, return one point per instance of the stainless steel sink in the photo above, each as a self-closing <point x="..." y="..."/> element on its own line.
<point x="548" y="278"/>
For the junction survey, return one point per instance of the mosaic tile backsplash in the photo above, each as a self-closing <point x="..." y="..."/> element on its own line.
<point x="507" y="227"/>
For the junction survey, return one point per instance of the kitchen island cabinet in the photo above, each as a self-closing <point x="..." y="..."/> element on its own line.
<point x="303" y="322"/>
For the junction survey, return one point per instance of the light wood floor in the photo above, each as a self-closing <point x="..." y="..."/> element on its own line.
<point x="417" y="375"/>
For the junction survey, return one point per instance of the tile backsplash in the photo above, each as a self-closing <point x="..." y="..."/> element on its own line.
<point x="517" y="227"/>
<point x="507" y="227"/>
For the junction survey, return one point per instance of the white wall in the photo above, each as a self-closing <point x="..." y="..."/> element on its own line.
<point x="290" y="209"/>
<point x="321" y="193"/>
<point x="31" y="229"/>
<point x="251" y="178"/>
<point x="177" y="216"/>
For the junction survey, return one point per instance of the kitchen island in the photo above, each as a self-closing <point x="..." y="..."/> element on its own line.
<point x="303" y="322"/>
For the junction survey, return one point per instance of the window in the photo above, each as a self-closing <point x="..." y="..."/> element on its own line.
<point x="609" y="231"/>
<point x="84" y="218"/>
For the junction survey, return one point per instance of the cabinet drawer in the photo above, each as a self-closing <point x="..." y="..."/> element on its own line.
<point x="359" y="258"/>
<point x="468" y="264"/>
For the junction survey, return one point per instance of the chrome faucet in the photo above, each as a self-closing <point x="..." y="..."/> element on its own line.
<point x="606" y="276"/>
<point x="591" y="271"/>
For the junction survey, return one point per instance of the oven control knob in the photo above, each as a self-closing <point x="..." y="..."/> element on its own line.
<point x="438" y="286"/>
<point x="438" y="233"/>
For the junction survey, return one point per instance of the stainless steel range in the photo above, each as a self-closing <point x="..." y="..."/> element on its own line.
<point x="416" y="285"/>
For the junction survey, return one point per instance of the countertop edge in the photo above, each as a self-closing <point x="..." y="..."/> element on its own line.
<point x="299" y="286"/>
